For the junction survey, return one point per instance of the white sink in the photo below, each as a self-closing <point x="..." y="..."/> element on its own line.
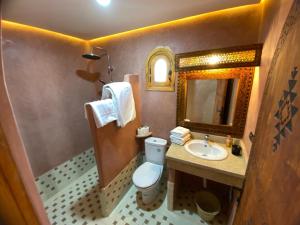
<point x="204" y="150"/>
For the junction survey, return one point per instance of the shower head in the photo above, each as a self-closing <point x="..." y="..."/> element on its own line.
<point x="91" y="56"/>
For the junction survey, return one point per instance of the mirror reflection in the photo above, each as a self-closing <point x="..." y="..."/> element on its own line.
<point x="211" y="101"/>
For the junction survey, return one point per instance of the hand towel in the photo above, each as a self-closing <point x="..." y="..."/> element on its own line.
<point x="178" y="141"/>
<point x="179" y="132"/>
<point x="104" y="112"/>
<point x="183" y="139"/>
<point x="122" y="98"/>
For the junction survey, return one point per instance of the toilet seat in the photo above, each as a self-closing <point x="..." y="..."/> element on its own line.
<point x="147" y="175"/>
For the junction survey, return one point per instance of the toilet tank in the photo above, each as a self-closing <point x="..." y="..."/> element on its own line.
<point x="155" y="149"/>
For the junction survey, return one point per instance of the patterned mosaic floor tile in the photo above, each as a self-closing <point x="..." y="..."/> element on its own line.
<point x="63" y="175"/>
<point x="79" y="204"/>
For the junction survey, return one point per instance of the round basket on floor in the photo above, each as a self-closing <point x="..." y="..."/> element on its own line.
<point x="208" y="205"/>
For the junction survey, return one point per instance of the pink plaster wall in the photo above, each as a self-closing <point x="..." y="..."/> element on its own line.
<point x="47" y="95"/>
<point x="128" y="52"/>
<point x="273" y="14"/>
<point x="31" y="206"/>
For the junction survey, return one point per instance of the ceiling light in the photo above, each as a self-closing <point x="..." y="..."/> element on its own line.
<point x="103" y="3"/>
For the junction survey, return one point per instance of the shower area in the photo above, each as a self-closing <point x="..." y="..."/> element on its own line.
<point x="48" y="90"/>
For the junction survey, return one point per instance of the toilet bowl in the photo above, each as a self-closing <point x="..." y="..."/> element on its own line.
<point x="147" y="176"/>
<point x="146" y="179"/>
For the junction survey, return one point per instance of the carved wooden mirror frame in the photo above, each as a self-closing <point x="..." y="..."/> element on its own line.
<point x="232" y="62"/>
<point x="245" y="75"/>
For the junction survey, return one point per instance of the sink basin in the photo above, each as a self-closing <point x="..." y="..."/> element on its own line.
<point x="210" y="151"/>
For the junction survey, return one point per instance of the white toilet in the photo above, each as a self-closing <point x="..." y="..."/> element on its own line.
<point x="147" y="176"/>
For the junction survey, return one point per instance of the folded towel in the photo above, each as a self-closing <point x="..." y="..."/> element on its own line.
<point x="183" y="139"/>
<point x="122" y="97"/>
<point x="179" y="142"/>
<point x="180" y="132"/>
<point x="104" y="112"/>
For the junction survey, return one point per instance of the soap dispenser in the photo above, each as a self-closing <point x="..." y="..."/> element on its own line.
<point x="229" y="141"/>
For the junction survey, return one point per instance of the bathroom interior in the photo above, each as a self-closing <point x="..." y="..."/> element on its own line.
<point x="150" y="112"/>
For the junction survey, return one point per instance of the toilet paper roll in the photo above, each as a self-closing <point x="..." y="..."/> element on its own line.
<point x="139" y="131"/>
<point x="143" y="130"/>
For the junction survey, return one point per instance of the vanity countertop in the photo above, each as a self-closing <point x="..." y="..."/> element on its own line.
<point x="231" y="169"/>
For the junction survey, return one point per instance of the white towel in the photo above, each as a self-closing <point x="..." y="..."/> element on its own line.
<point x="179" y="132"/>
<point x="183" y="139"/>
<point x="178" y="141"/>
<point x="122" y="97"/>
<point x="104" y="112"/>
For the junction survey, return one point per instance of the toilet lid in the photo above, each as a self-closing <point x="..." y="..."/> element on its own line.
<point x="147" y="174"/>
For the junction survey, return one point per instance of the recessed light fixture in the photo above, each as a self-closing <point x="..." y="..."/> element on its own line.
<point x="214" y="60"/>
<point x="104" y="3"/>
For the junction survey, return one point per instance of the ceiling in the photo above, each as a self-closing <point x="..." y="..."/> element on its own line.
<point x="87" y="19"/>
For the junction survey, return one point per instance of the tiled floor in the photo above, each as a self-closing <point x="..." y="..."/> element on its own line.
<point x="56" y="179"/>
<point x="79" y="204"/>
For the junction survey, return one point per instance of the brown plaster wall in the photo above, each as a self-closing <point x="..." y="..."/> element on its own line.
<point x="128" y="52"/>
<point x="47" y="95"/>
<point x="273" y="14"/>
<point x="114" y="146"/>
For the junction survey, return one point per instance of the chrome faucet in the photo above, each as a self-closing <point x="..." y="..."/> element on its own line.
<point x="206" y="138"/>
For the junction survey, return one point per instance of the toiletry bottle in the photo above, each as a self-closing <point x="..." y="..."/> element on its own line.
<point x="229" y="141"/>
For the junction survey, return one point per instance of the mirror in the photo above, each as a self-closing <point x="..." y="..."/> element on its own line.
<point x="214" y="101"/>
<point x="211" y="101"/>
